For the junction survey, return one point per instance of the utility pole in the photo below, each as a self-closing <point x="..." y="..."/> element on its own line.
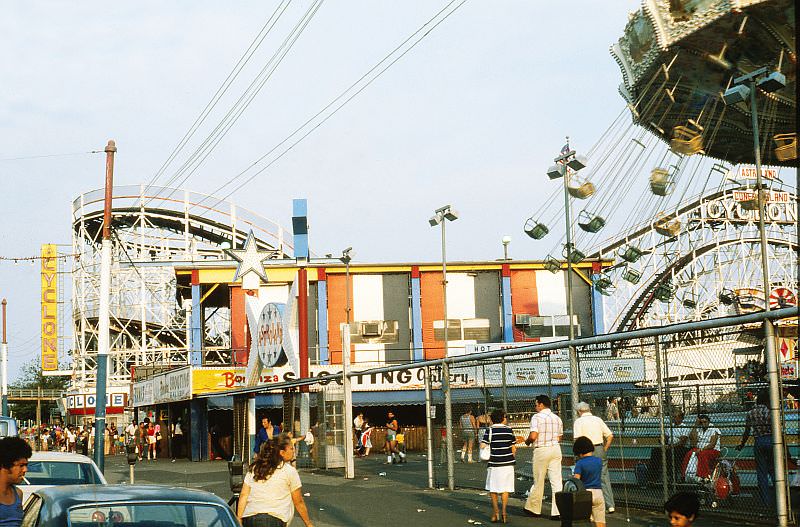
<point x="103" y="343"/>
<point x="5" y="363"/>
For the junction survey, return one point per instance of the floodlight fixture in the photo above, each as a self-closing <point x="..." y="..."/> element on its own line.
<point x="506" y="240"/>
<point x="773" y="82"/>
<point x="435" y="220"/>
<point x="577" y="163"/>
<point x="736" y="94"/>
<point x="555" y="171"/>
<point x="451" y="215"/>
<point x="347" y="256"/>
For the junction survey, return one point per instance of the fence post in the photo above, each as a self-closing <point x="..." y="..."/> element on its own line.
<point x="503" y="380"/>
<point x="448" y="418"/>
<point x="429" y="424"/>
<point x="660" y="383"/>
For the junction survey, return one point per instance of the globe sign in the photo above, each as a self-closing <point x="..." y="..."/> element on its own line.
<point x="269" y="336"/>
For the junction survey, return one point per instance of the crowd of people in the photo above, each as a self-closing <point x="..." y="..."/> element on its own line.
<point x="74" y="438"/>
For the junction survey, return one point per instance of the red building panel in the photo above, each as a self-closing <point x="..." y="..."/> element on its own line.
<point x="524" y="299"/>
<point x="432" y="306"/>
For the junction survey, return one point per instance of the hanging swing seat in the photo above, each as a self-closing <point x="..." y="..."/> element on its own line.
<point x="575" y="256"/>
<point x="582" y="190"/>
<point x="551" y="264"/>
<point x="686" y="140"/>
<point x="631" y="275"/>
<point x="590" y="222"/>
<point x="604" y="285"/>
<point x="786" y="149"/>
<point x="535" y="230"/>
<point x="664" y="292"/>
<point x="661" y="182"/>
<point x="689" y="303"/>
<point x="667" y="226"/>
<point x="630" y="253"/>
<point x="727" y="297"/>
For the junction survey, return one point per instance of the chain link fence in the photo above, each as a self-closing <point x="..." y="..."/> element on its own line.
<point x="676" y="405"/>
<point x="676" y="400"/>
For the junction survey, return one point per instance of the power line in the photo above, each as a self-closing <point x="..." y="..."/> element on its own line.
<point x="241" y="104"/>
<point x="223" y="88"/>
<point x="341" y="96"/>
<point x="25" y="158"/>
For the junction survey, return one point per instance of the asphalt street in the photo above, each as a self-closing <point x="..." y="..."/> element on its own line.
<point x="380" y="494"/>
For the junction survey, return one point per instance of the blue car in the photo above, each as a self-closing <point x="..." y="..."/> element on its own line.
<point x="126" y="506"/>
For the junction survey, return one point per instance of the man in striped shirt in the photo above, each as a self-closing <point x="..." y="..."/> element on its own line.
<point x="545" y="434"/>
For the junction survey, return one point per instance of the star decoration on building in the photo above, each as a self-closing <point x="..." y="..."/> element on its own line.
<point x="250" y="259"/>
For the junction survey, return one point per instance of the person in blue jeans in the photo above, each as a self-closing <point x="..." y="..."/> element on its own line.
<point x="588" y="469"/>
<point x="759" y="422"/>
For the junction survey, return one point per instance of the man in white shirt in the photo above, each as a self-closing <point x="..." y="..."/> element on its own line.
<point x="600" y="435"/>
<point x="545" y="434"/>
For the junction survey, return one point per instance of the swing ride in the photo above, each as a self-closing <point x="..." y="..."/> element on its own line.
<point x="670" y="185"/>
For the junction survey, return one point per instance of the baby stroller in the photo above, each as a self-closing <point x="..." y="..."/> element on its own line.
<point x="723" y="484"/>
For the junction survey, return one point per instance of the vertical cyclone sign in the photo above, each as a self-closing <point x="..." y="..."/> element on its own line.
<point x="49" y="308"/>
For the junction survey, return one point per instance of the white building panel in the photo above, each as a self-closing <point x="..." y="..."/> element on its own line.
<point x="368" y="305"/>
<point x="460" y="295"/>
<point x="551" y="292"/>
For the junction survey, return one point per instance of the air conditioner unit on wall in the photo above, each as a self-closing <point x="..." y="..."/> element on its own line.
<point x="371" y="329"/>
<point x="522" y="319"/>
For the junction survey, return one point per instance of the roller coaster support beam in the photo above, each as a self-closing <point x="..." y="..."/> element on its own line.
<point x="103" y="343"/>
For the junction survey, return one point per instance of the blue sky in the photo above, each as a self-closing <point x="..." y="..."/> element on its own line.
<point x="472" y="116"/>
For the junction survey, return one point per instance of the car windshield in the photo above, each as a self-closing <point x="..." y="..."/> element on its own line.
<point x="60" y="473"/>
<point x="150" y="515"/>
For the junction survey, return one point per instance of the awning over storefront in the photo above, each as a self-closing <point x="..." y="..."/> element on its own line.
<point x="225" y="402"/>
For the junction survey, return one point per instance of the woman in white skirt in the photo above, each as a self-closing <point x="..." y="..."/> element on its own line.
<point x="499" y="438"/>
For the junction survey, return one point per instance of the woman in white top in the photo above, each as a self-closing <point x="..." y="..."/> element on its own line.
<point x="272" y="490"/>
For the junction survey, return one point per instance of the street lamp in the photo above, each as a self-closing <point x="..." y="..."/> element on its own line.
<point x="567" y="165"/>
<point x="506" y="240"/>
<point x="441" y="216"/>
<point x="349" y="462"/>
<point x="744" y="86"/>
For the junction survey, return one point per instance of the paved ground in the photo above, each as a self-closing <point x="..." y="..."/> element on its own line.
<point x="397" y="498"/>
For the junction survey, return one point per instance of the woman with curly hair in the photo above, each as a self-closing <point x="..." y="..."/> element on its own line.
<point x="272" y="490"/>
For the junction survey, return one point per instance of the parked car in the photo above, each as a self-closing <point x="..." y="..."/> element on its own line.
<point x="126" y="506"/>
<point x="8" y="427"/>
<point x="47" y="469"/>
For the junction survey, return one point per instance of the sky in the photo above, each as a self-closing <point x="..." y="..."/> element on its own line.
<point x="472" y="116"/>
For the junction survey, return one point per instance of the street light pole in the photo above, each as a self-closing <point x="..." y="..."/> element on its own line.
<point x="103" y="338"/>
<point x="771" y="82"/>
<point x="567" y="156"/>
<point x="443" y="215"/>
<point x="349" y="462"/>
<point x="773" y="373"/>
<point x="4" y="410"/>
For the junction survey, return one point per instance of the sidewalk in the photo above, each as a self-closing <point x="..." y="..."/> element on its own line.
<point x="397" y="498"/>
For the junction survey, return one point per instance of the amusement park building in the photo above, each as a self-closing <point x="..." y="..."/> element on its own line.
<point x="396" y="317"/>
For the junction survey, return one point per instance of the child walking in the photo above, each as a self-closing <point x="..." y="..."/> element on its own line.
<point x="588" y="469"/>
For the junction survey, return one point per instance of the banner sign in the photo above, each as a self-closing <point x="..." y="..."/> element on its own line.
<point x="789" y="370"/>
<point x="558" y="354"/>
<point x="172" y="386"/>
<point x="521" y="373"/>
<point x="49" y="283"/>
<point x="84" y="403"/>
<point x="274" y="335"/>
<point x="780" y="207"/>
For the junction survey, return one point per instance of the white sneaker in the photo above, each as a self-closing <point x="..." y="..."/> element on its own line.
<point x="611" y="510"/>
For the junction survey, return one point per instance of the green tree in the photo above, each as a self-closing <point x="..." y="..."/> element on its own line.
<point x="32" y="378"/>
